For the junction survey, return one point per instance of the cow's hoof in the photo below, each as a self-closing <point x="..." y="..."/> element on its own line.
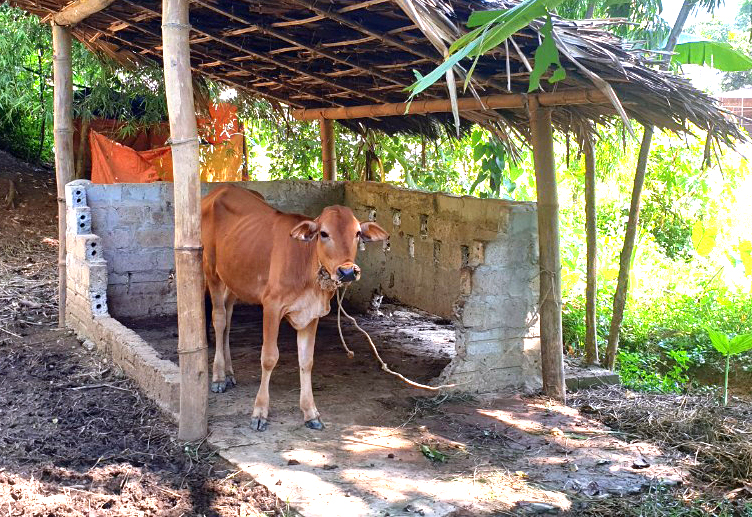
<point x="258" y="424"/>
<point x="230" y="382"/>
<point x="219" y="387"/>
<point x="314" y="423"/>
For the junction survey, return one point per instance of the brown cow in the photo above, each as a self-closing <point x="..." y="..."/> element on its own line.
<point x="286" y="263"/>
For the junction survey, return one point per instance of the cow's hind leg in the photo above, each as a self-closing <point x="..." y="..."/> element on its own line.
<point x="269" y="357"/>
<point x="219" y="320"/>
<point x="306" y="341"/>
<point x="229" y="371"/>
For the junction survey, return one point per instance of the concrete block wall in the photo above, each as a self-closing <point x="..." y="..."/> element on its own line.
<point x="88" y="280"/>
<point x="471" y="260"/>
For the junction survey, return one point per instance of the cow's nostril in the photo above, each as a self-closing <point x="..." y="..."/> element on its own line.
<point x="347" y="274"/>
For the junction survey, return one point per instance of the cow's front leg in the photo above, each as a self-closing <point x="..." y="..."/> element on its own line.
<point x="306" y="341"/>
<point x="269" y="356"/>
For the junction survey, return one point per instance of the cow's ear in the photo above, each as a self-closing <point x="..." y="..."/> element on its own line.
<point x="305" y="231"/>
<point x="372" y="232"/>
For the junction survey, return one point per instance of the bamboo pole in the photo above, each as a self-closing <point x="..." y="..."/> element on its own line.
<point x="63" y="129"/>
<point x="192" y="347"/>
<point x="328" y="151"/>
<point x="83" y="145"/>
<point x="591" y="291"/>
<point x="552" y="353"/>
<point x="80" y="10"/>
<point x="517" y="100"/>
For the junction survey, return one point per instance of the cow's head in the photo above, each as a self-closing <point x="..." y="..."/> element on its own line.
<point x="337" y="233"/>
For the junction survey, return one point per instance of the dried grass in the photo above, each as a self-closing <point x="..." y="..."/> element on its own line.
<point x="28" y="284"/>
<point x="714" y="442"/>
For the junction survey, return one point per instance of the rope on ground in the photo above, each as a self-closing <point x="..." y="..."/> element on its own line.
<point x="384" y="366"/>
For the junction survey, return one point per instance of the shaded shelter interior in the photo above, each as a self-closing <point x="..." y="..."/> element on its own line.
<point x="464" y="260"/>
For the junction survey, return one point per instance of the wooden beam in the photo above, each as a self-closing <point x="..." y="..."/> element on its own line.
<point x="507" y="101"/>
<point x="79" y="10"/>
<point x="63" y="130"/>
<point x="591" y="233"/>
<point x="328" y="151"/>
<point x="552" y="348"/>
<point x="192" y="347"/>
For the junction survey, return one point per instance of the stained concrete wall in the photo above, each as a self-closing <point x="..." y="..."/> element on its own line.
<point x="468" y="259"/>
<point x="473" y="261"/>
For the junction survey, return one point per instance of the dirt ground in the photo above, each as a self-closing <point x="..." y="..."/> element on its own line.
<point x="76" y="438"/>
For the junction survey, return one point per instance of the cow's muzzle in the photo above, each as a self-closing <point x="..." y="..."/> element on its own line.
<point x="348" y="273"/>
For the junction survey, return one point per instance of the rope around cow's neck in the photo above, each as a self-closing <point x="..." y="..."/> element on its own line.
<point x="350" y="354"/>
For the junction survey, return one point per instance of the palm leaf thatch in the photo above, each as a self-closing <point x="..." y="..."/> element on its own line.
<point x="334" y="53"/>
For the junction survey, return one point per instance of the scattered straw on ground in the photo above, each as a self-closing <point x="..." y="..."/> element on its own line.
<point x="715" y="442"/>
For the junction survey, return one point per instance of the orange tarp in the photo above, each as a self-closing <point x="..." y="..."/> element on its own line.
<point x="221" y="160"/>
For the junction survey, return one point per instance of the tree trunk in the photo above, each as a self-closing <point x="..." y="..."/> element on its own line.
<point x="63" y="125"/>
<point x="591" y="291"/>
<point x="620" y="298"/>
<point x="590" y="10"/>
<point x="192" y="347"/>
<point x="552" y="347"/>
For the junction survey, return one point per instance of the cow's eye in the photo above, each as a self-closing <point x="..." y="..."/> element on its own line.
<point x="358" y="235"/>
<point x="324" y="235"/>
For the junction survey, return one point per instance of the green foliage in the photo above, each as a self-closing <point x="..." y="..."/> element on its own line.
<point x="647" y="372"/>
<point x="691" y="50"/>
<point x="101" y="88"/>
<point x="546" y="55"/>
<point x="490" y="29"/>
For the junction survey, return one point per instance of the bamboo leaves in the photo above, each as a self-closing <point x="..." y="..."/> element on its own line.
<point x="490" y="29"/>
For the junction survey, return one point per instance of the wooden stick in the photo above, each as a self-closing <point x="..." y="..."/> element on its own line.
<point x="518" y="100"/>
<point x="79" y="10"/>
<point x="552" y="354"/>
<point x="328" y="151"/>
<point x="192" y="347"/>
<point x="63" y="129"/>
<point x="591" y="231"/>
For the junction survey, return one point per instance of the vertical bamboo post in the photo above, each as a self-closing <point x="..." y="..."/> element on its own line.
<point x="83" y="145"/>
<point x="63" y="126"/>
<point x="192" y="348"/>
<point x="591" y="290"/>
<point x="552" y="354"/>
<point x="328" y="152"/>
<point x="244" y="174"/>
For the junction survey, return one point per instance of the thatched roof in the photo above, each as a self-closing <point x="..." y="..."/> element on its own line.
<point x="328" y="53"/>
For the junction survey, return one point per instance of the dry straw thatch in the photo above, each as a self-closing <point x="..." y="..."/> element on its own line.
<point x="330" y="53"/>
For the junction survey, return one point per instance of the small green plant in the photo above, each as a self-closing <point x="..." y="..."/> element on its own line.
<point x="728" y="347"/>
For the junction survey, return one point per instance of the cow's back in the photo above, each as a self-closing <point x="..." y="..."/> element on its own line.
<point x="246" y="241"/>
